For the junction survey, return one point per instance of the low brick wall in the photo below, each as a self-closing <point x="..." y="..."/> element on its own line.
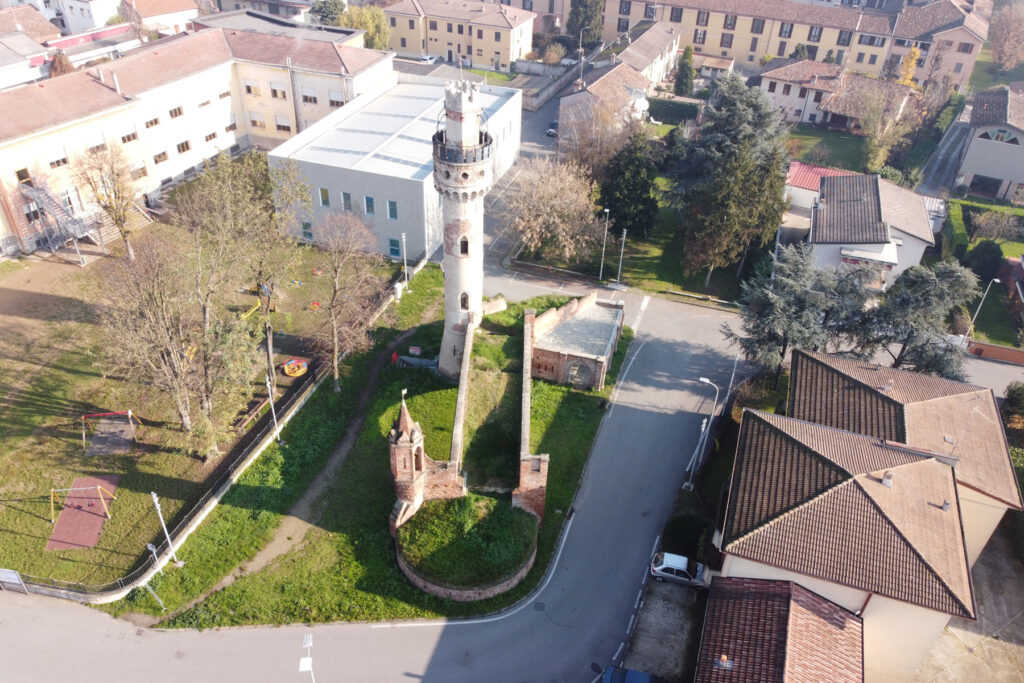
<point x="1007" y="354"/>
<point x="464" y="594"/>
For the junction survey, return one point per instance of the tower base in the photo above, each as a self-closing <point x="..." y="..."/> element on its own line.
<point x="453" y="346"/>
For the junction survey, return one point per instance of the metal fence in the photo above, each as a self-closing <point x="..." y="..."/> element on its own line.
<point x="230" y="464"/>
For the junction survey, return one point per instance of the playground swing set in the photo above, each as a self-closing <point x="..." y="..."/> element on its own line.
<point x="132" y="419"/>
<point x="59" y="496"/>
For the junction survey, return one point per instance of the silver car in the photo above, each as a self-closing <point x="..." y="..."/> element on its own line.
<point x="669" y="567"/>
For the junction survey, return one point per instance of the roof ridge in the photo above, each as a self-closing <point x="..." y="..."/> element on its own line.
<point x="813" y="451"/>
<point x="913" y="549"/>
<point x="875" y="390"/>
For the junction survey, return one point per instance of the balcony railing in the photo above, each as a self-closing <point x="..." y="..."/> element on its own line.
<point x="457" y="154"/>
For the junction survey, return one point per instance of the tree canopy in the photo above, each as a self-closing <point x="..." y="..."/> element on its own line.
<point x="585" y="15"/>
<point x="327" y="11"/>
<point x="727" y="184"/>
<point x="683" y="85"/>
<point x="372" y="20"/>
<point x="628" y="191"/>
<point x="1006" y="35"/>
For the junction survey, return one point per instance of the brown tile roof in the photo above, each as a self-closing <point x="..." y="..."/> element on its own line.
<point x="908" y="407"/>
<point x="784" y="10"/>
<point x="849" y="211"/>
<point x="404" y="424"/>
<point x="642" y="52"/>
<point x="811" y="499"/>
<point x="922" y="22"/>
<point x="31" y="22"/>
<point x="474" y="12"/>
<point x="168" y="60"/>
<point x="808" y="176"/>
<point x="617" y="86"/>
<point x="315" y="55"/>
<point x="776" y="631"/>
<point x="1001" y="105"/>
<point x="807" y="72"/>
<point x="155" y="8"/>
<point x="49" y="103"/>
<point x="855" y="93"/>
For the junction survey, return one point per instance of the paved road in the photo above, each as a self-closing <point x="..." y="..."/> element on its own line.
<point x="940" y="171"/>
<point x="575" y="623"/>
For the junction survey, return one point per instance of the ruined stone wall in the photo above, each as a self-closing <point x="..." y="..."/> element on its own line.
<point x="531" y="494"/>
<point x="553" y="317"/>
<point x="462" y="398"/>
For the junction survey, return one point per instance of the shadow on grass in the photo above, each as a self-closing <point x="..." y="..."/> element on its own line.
<point x="492" y="456"/>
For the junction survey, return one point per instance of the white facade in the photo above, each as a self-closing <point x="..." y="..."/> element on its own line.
<point x="995" y="151"/>
<point x="83" y="15"/>
<point x="798" y="104"/>
<point x="378" y="148"/>
<point x="895" y="256"/>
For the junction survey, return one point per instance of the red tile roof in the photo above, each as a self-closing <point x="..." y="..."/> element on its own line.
<point x="155" y="8"/>
<point x="28" y="20"/>
<point x="775" y="631"/>
<point x="807" y="72"/>
<point x="920" y="410"/>
<point x="813" y="500"/>
<point x="808" y="176"/>
<point x="49" y="103"/>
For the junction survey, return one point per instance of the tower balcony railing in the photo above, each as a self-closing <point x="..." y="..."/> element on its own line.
<point x="457" y="154"/>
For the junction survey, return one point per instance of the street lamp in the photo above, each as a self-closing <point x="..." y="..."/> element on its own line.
<point x="600" y="274"/>
<point x="981" y="303"/>
<point x="705" y="429"/>
<point x="306" y="661"/>
<point x="582" y="30"/>
<point x="622" y="250"/>
<point x="273" y="411"/>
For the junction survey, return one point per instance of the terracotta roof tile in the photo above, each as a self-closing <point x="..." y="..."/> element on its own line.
<point x="807" y="72"/>
<point x="644" y="49"/>
<point x="305" y="54"/>
<point x="775" y="631"/>
<point x="831" y="517"/>
<point x="38" y="106"/>
<point x="31" y="22"/>
<point x="856" y="93"/>
<point x="922" y="411"/>
<point x="155" y="8"/>
<point x="404" y="424"/>
<point x="1001" y="105"/>
<point x="168" y="60"/>
<point x="808" y="176"/>
<point x="922" y="22"/>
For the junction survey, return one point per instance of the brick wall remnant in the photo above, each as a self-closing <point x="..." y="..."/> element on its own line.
<point x="531" y="494"/>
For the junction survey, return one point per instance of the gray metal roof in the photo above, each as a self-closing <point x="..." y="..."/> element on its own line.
<point x="849" y="212"/>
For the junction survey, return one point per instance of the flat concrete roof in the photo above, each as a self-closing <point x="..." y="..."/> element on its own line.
<point x="588" y="333"/>
<point x="391" y="135"/>
<point x="258" y="22"/>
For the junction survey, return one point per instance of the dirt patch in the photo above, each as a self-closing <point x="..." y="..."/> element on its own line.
<point x="669" y="619"/>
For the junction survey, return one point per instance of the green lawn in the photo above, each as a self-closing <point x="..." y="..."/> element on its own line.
<point x="659" y="130"/>
<point x="986" y="76"/>
<point x="345" y="568"/>
<point x="828" y="147"/>
<point x="468" y="542"/>
<point x="994" y="323"/>
<point x="494" y="77"/>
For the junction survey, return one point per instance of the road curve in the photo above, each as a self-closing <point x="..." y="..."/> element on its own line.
<point x="575" y="624"/>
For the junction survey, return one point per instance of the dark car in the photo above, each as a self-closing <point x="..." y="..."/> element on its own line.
<point x="614" y="674"/>
<point x="552" y="131"/>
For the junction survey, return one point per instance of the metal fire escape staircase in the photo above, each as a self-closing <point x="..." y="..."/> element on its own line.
<point x="64" y="225"/>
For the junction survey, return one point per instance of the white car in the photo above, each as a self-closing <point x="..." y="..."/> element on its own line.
<point x="669" y="567"/>
<point x="428" y="59"/>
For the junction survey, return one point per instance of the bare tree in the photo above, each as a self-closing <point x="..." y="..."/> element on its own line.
<point x="145" y="314"/>
<point x="995" y="225"/>
<point x="591" y="135"/>
<point x="108" y="175"/>
<point x="551" y="207"/>
<point x="1006" y="35"/>
<point x="883" y="130"/>
<point x="130" y="13"/>
<point x="347" y="242"/>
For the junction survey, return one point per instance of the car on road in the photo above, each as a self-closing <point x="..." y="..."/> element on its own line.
<point x="552" y="131"/>
<point x="669" y="567"/>
<point x="428" y="59"/>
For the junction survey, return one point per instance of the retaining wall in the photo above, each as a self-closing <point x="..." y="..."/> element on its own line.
<point x="1007" y="354"/>
<point x="464" y="594"/>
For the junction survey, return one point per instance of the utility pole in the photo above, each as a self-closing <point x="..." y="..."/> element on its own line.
<point x="160" y="514"/>
<point x="600" y="273"/>
<point x="273" y="411"/>
<point x="405" y="265"/>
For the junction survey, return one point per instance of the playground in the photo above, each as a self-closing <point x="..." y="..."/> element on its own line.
<point x="55" y="369"/>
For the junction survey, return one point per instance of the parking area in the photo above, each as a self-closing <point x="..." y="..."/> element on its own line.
<point x="667" y="631"/>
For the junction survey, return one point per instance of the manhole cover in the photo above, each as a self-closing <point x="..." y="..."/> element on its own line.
<point x="539" y="606"/>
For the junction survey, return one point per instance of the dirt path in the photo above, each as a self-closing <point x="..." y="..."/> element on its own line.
<point x="302" y="516"/>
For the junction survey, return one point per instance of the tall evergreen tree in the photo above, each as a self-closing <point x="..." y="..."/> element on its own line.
<point x="727" y="183"/>
<point x="585" y="15"/>
<point x="684" y="74"/>
<point x="628" y="189"/>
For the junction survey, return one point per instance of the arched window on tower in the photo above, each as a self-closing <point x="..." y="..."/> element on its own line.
<point x="464" y="246"/>
<point x="464" y="301"/>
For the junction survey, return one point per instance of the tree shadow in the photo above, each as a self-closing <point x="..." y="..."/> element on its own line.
<point x="492" y="456"/>
<point x="20" y="303"/>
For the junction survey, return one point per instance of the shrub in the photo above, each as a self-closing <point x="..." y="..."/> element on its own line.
<point x="671" y="111"/>
<point x="949" y="113"/>
<point x="892" y="174"/>
<point x="954" y="243"/>
<point x="961" y="320"/>
<point x="985" y="259"/>
<point x="1014" y="404"/>
<point x="553" y="55"/>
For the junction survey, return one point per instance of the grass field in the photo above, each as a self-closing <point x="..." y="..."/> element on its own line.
<point x="985" y="74"/>
<point x="994" y="323"/>
<point x="53" y="369"/>
<point x="494" y="77"/>
<point x="828" y="147"/>
<point x="345" y="568"/>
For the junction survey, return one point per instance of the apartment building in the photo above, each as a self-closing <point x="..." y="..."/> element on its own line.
<point x="467" y="32"/>
<point x="869" y="41"/>
<point x="170" y="106"/>
<point x="552" y="15"/>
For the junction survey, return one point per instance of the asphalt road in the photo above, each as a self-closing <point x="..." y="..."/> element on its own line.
<point x="576" y="622"/>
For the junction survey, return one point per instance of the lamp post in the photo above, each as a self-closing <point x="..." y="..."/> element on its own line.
<point x="702" y="440"/>
<point x="306" y="662"/>
<point x="981" y="303"/>
<point x="273" y="411"/>
<point x="600" y="273"/>
<point x="622" y="250"/>
<point x="405" y="265"/>
<point x="160" y="514"/>
<point x="582" y="31"/>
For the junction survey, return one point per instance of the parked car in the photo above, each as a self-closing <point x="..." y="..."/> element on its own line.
<point x="552" y="131"/>
<point x="669" y="567"/>
<point x="428" y="59"/>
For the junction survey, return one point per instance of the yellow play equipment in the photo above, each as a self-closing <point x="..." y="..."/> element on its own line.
<point x="295" y="367"/>
<point x="55" y="498"/>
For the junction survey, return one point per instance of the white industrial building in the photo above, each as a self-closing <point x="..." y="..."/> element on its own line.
<point x="374" y="157"/>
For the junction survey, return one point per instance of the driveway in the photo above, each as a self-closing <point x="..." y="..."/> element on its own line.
<point x="940" y="171"/>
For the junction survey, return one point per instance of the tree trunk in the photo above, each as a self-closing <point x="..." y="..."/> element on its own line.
<point x="900" y="357"/>
<point x="334" y="355"/>
<point x="707" y="280"/>
<point x="782" y="364"/>
<point x="184" y="414"/>
<point x="270" y="357"/>
<point x="128" y="251"/>
<point x="743" y="262"/>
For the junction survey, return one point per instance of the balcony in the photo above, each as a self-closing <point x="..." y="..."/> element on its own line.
<point x="456" y="154"/>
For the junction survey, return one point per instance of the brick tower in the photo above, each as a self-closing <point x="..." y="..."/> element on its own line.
<point x="463" y="173"/>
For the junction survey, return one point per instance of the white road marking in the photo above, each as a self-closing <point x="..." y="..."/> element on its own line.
<point x="597" y="678"/>
<point x="618" y="652"/>
<point x="639" y="314"/>
<point x="632" y="621"/>
<point x="639" y="595"/>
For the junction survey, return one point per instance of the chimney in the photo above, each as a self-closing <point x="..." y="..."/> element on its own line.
<point x="887" y="480"/>
<point x="99" y="72"/>
<point x="117" y="86"/>
<point x="945" y="505"/>
<point x="724" y="662"/>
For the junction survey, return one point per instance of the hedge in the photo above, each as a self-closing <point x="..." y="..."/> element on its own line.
<point x="987" y="205"/>
<point x="955" y="242"/>
<point x="950" y="113"/>
<point x="671" y="111"/>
